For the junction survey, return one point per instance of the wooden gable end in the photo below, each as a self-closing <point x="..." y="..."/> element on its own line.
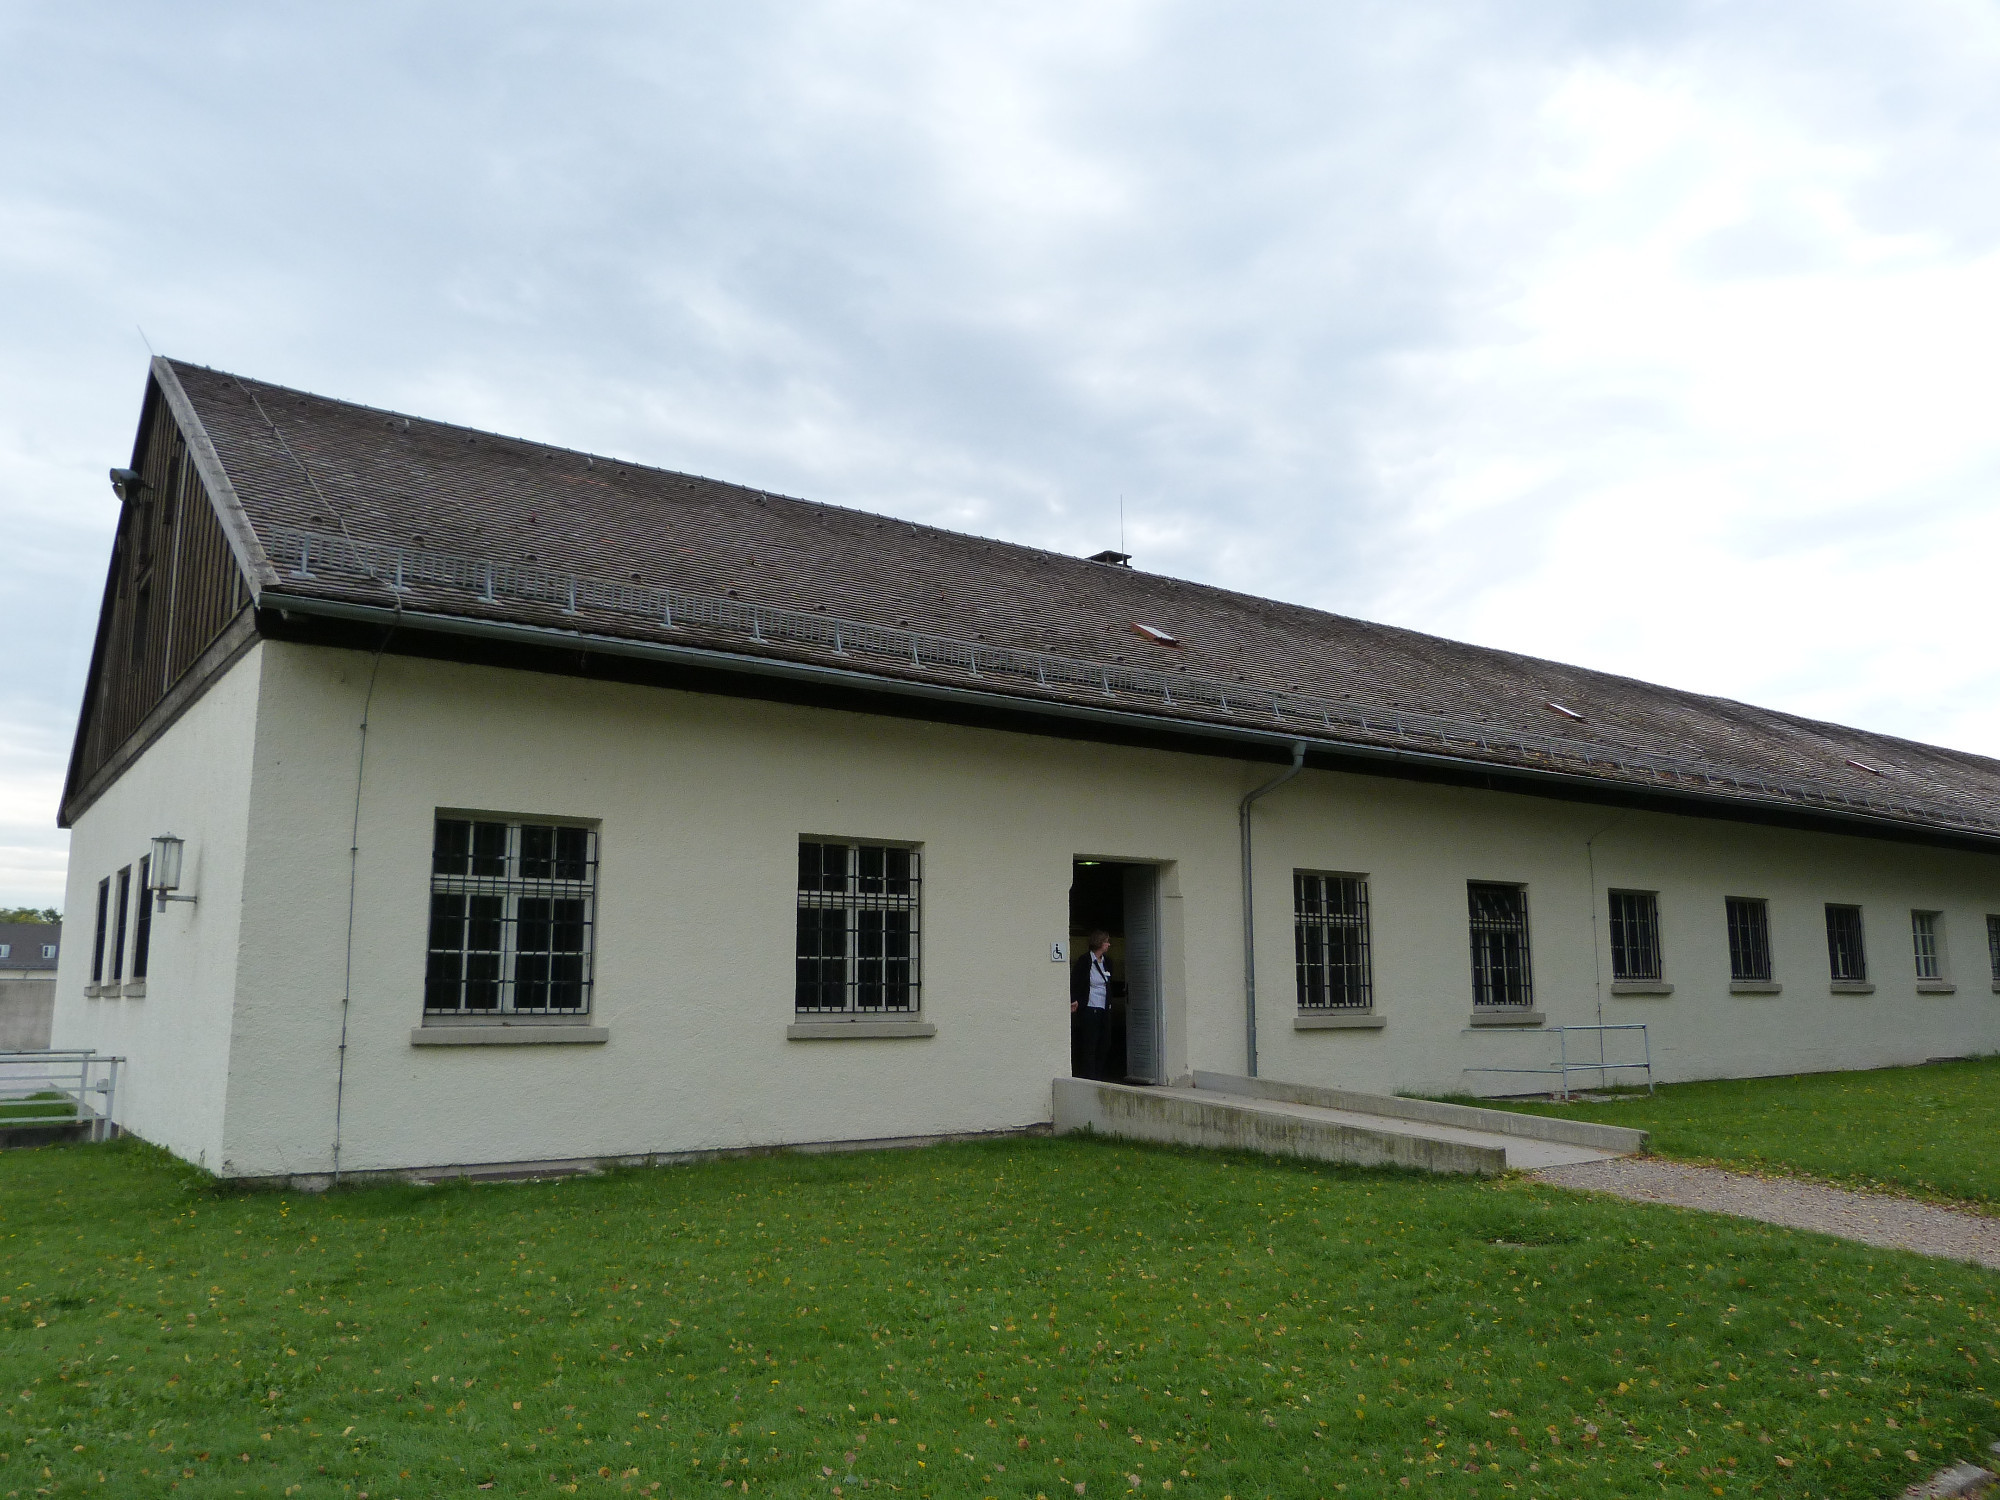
<point x="176" y="610"/>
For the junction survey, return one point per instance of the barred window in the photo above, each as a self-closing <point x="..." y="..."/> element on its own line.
<point x="1635" y="935"/>
<point x="859" y="933"/>
<point x="1330" y="940"/>
<point x="1749" y="938"/>
<point x="1846" y="958"/>
<point x="1993" y="946"/>
<point x="1926" y="939"/>
<point x="513" y="911"/>
<point x="1500" y="968"/>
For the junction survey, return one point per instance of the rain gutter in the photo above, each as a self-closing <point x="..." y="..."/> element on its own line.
<point x="1282" y="741"/>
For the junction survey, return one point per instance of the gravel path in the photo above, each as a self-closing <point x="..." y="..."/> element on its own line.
<point x="1872" y="1218"/>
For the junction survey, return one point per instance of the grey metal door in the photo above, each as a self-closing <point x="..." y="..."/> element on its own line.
<point x="1145" y="1049"/>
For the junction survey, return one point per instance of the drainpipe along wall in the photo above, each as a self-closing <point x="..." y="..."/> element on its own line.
<point x="1249" y="913"/>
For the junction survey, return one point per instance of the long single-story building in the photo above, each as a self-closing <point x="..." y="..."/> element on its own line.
<point x="446" y="799"/>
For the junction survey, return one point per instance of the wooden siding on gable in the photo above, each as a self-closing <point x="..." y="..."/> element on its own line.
<point x="174" y="589"/>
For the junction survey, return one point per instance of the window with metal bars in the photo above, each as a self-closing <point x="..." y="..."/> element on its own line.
<point x="1927" y="939"/>
<point x="1330" y="941"/>
<point x="1749" y="939"/>
<point x="859" y="929"/>
<point x="1501" y="976"/>
<point x="513" y="914"/>
<point x="1993" y="946"/>
<point x="1846" y="958"/>
<point x="1635" y="935"/>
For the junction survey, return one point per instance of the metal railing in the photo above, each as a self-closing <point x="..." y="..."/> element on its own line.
<point x="1566" y="1064"/>
<point x="56" y="1088"/>
<point x="308" y="555"/>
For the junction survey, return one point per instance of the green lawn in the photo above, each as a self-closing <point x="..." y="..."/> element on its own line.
<point x="1928" y="1130"/>
<point x="48" y="1105"/>
<point x="1029" y="1318"/>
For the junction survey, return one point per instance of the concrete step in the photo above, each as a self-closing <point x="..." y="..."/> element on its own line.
<point x="1248" y="1114"/>
<point x="1600" y="1141"/>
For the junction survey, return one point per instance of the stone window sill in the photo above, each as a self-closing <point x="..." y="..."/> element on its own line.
<point x="136" y="990"/>
<point x="1319" y="1020"/>
<point x="1640" y="987"/>
<point x="1755" y="987"/>
<point x="1508" y="1018"/>
<point x="854" y="1031"/>
<point x="1853" y="987"/>
<point x="1924" y="987"/>
<point x="498" y="1035"/>
<point x="96" y="991"/>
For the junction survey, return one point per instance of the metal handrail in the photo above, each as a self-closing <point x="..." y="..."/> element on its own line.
<point x="53" y="1087"/>
<point x="305" y="555"/>
<point x="1564" y="1067"/>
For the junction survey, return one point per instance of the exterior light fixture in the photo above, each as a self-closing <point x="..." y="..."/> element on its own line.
<point x="164" y="872"/>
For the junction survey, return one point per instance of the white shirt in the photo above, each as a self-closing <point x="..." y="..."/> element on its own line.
<point x="1100" y="981"/>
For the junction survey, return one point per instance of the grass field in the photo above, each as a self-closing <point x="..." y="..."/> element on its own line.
<point x="1031" y="1318"/>
<point x="1927" y="1130"/>
<point x="40" y="1106"/>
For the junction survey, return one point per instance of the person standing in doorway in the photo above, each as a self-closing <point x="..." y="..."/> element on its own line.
<point x="1090" y="1004"/>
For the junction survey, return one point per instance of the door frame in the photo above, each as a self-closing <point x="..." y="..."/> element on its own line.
<point x="1169" y="998"/>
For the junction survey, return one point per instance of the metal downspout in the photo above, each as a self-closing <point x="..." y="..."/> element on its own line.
<point x="1249" y="920"/>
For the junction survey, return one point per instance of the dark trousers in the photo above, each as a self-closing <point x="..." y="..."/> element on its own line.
<point x="1093" y="1042"/>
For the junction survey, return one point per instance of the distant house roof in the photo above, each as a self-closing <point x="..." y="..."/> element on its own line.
<point x="24" y="942"/>
<point x="335" y="508"/>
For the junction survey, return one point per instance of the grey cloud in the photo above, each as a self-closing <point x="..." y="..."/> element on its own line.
<point x="991" y="270"/>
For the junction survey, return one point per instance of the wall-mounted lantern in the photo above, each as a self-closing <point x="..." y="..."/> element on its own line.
<point x="164" y="872"/>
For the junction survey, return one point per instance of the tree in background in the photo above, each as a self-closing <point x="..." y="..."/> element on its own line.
<point x="29" y="914"/>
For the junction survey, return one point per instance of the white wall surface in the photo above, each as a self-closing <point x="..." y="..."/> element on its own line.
<point x="194" y="782"/>
<point x="1419" y="845"/>
<point x="702" y="801"/>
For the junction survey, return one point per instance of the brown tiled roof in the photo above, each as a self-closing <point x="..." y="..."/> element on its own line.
<point x="347" y="501"/>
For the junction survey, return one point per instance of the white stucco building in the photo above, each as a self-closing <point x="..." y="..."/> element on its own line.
<point x="535" y="806"/>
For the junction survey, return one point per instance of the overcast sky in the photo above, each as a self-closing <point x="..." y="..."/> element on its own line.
<point x="1662" y="338"/>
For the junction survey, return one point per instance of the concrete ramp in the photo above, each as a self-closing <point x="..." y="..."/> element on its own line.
<point x="1369" y="1130"/>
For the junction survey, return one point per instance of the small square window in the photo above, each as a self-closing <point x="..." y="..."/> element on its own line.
<point x="48" y="950"/>
<point x="859" y="930"/>
<point x="513" y="912"/>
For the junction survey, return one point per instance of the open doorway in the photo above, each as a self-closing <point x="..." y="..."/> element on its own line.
<point x="1122" y="900"/>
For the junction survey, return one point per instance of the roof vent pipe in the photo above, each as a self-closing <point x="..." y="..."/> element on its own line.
<point x="1249" y="918"/>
